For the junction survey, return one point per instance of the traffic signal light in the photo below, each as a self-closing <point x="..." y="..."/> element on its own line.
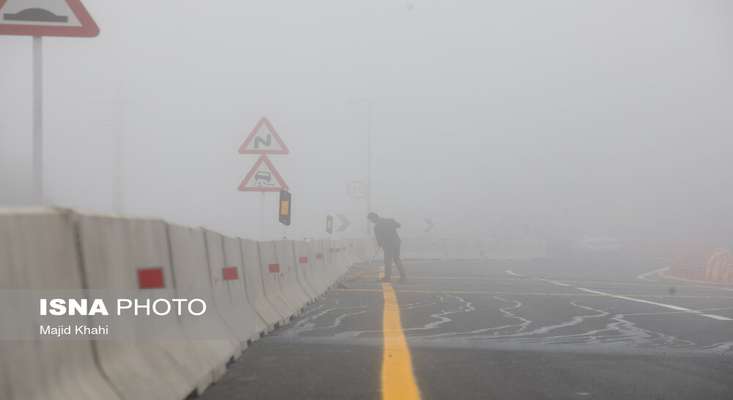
<point x="286" y="206"/>
<point x="329" y="224"/>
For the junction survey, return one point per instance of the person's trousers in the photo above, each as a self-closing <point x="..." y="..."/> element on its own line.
<point x="392" y="255"/>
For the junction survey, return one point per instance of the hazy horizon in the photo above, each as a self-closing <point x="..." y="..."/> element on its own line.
<point x="566" y="119"/>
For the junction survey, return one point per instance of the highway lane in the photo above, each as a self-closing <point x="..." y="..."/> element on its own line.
<point x="589" y="327"/>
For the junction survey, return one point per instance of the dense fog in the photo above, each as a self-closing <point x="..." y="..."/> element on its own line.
<point x="556" y="119"/>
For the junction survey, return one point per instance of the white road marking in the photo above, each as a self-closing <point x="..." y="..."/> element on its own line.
<point x="556" y="283"/>
<point x="637" y="300"/>
<point x="705" y="310"/>
<point x="645" y="276"/>
<point x="695" y="283"/>
<point x="669" y="306"/>
<point x="512" y="273"/>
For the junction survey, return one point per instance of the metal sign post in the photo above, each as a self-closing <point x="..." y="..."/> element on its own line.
<point x="38" y="196"/>
<point x="43" y="18"/>
<point x="262" y="215"/>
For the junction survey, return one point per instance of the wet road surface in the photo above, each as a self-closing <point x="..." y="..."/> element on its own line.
<point x="586" y="328"/>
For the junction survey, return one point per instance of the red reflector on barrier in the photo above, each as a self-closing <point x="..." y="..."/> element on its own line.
<point x="303" y="260"/>
<point x="274" y="268"/>
<point x="230" y="273"/>
<point x="150" y="278"/>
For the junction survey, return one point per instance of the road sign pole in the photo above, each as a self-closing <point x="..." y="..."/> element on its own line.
<point x="262" y="216"/>
<point x="38" y="195"/>
<point x="120" y="168"/>
<point x="66" y="18"/>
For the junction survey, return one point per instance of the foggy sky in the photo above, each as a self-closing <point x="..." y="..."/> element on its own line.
<point x="569" y="117"/>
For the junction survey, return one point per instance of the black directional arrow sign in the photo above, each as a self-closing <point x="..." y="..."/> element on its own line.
<point x="429" y="221"/>
<point x="344" y="223"/>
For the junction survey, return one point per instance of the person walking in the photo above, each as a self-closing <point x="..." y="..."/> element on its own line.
<point x="385" y="231"/>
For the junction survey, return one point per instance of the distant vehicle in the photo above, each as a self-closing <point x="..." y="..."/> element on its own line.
<point x="599" y="244"/>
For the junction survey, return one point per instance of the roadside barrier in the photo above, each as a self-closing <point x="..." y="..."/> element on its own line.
<point x="329" y="254"/>
<point x="38" y="252"/>
<point x="301" y="263"/>
<point x="272" y="275"/>
<point x="305" y="257"/>
<point x="291" y="288"/>
<point x="210" y="339"/>
<point x="255" y="287"/>
<point x="319" y="267"/>
<point x="228" y="289"/>
<point x="719" y="267"/>
<point x="694" y="263"/>
<point x="249" y="288"/>
<point x="233" y="257"/>
<point x="152" y="359"/>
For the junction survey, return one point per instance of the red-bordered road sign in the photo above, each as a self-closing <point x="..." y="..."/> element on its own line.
<point x="263" y="177"/>
<point x="46" y="18"/>
<point x="263" y="139"/>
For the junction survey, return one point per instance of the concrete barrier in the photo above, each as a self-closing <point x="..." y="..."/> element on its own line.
<point x="305" y="258"/>
<point x="228" y="289"/>
<point x="272" y="276"/>
<point x="238" y="289"/>
<point x="728" y="274"/>
<point x="318" y="271"/>
<point x="694" y="262"/>
<point x="255" y="287"/>
<point x="339" y="262"/>
<point x="293" y="291"/>
<point x="325" y="263"/>
<point x="151" y="358"/>
<point x="38" y="252"/>
<point x="718" y="266"/>
<point x="249" y="287"/>
<point x="210" y="338"/>
<point x="301" y="263"/>
<point x="340" y="259"/>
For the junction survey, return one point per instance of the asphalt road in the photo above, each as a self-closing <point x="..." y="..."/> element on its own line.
<point x="591" y="327"/>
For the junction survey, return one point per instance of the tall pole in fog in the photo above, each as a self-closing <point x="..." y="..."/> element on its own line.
<point x="370" y="117"/>
<point x="119" y="189"/>
<point x="38" y="195"/>
<point x="369" y="162"/>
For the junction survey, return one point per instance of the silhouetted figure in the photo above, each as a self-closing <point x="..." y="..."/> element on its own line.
<point x="385" y="230"/>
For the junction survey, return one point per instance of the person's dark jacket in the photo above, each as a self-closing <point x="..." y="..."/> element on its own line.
<point x="385" y="230"/>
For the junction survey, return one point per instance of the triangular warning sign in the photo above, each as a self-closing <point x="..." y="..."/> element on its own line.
<point x="263" y="140"/>
<point x="263" y="177"/>
<point x="46" y="18"/>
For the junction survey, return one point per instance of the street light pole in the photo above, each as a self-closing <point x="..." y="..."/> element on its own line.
<point x="369" y="161"/>
<point x="38" y="195"/>
<point x="370" y="118"/>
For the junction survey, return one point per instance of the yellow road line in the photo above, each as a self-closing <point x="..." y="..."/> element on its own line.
<point x="398" y="378"/>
